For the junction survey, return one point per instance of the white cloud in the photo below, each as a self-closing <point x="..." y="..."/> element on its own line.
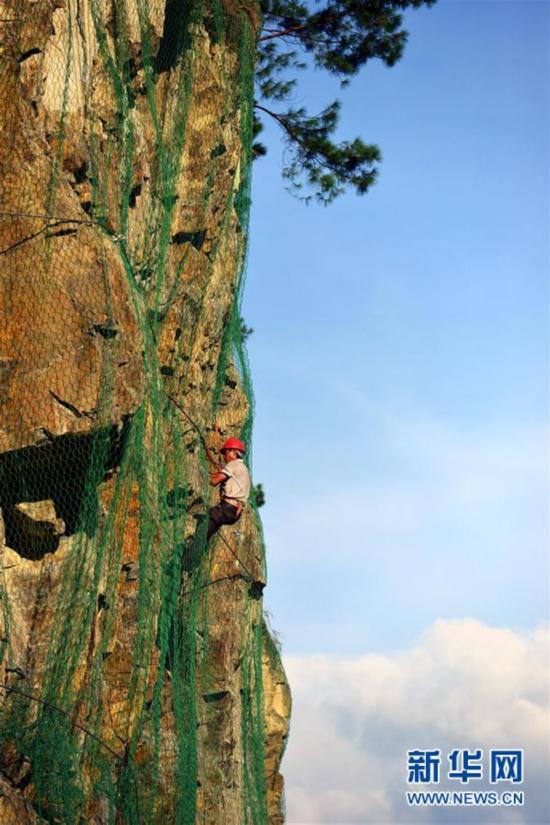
<point x="464" y="684"/>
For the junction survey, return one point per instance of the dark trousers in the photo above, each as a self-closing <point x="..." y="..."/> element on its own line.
<point x="223" y="513"/>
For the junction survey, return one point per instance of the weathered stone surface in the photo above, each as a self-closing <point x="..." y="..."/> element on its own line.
<point x="33" y="528"/>
<point x="86" y="348"/>
<point x="14" y="808"/>
<point x="63" y="283"/>
<point x="277" y="702"/>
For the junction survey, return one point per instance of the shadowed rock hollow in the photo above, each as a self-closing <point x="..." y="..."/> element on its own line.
<point x="139" y="680"/>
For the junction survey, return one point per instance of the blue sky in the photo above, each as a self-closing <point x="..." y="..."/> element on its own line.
<point x="400" y="363"/>
<point x="400" y="349"/>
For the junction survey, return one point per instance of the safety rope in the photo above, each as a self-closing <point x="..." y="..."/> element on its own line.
<point x="243" y="565"/>
<point x="54" y="218"/>
<point x="196" y="428"/>
<point x="203" y="439"/>
<point x="10" y="689"/>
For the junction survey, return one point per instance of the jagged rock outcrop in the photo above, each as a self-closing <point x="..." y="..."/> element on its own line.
<point x="139" y="681"/>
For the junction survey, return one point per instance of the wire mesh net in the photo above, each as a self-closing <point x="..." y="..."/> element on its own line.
<point x="132" y="649"/>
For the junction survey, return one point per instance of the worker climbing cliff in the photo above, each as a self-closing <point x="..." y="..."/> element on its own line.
<point x="233" y="479"/>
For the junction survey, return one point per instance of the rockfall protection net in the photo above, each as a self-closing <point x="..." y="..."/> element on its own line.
<point x="124" y="195"/>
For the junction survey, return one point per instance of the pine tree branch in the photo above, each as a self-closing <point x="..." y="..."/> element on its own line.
<point x="281" y="120"/>
<point x="312" y="21"/>
<point x="297" y="138"/>
<point x="287" y="32"/>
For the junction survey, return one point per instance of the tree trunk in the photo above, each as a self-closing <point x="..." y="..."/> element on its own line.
<point x="139" y="682"/>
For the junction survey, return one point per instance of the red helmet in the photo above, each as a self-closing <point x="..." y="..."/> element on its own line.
<point x="233" y="444"/>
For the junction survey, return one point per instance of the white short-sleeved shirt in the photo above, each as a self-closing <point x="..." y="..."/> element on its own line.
<point x="237" y="485"/>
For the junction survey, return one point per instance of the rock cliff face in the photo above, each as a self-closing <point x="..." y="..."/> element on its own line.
<point x="138" y="681"/>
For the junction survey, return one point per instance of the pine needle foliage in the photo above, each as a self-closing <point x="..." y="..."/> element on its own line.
<point x="340" y="37"/>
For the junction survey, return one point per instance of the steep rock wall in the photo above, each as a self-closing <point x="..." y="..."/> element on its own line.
<point x="142" y="684"/>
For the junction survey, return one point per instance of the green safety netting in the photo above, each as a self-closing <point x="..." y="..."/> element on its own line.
<point x="124" y="198"/>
